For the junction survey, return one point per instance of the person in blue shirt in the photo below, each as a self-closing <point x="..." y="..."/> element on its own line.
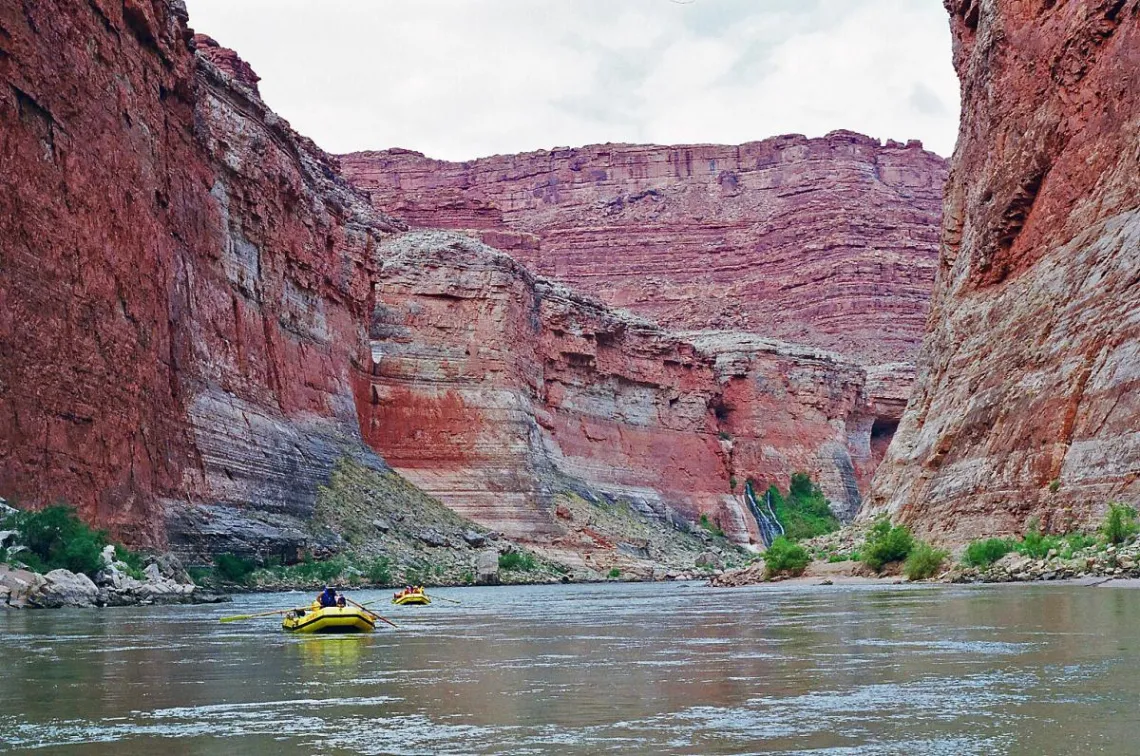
<point x="328" y="597"/>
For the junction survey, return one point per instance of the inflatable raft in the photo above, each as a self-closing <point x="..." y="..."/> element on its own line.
<point x="331" y="619"/>
<point x="414" y="597"/>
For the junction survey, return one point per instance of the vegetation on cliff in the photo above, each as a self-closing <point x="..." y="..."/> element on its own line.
<point x="804" y="512"/>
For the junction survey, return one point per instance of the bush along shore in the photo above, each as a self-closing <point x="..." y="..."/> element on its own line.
<point x="49" y="558"/>
<point x="882" y="550"/>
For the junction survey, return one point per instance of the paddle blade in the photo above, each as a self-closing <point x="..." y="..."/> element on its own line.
<point x="236" y="618"/>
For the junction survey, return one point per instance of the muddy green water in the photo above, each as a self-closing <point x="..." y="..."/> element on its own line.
<point x="593" y="669"/>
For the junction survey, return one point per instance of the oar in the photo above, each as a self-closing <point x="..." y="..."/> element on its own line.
<point x="374" y="614"/>
<point x="441" y="598"/>
<point x="237" y="617"/>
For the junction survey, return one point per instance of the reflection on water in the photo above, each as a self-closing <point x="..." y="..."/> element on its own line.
<point x="589" y="669"/>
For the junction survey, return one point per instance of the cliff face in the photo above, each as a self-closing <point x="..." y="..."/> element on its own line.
<point x="1027" y="402"/>
<point x="501" y="394"/>
<point x="828" y="242"/>
<point x="185" y="283"/>
<point x="201" y="320"/>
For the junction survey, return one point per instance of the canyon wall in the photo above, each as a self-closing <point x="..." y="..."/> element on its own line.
<point x="201" y="320"/>
<point x="828" y="242"/>
<point x="1028" y="397"/>
<point x="184" y="284"/>
<point x="499" y="392"/>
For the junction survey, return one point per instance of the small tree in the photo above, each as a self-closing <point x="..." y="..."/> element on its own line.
<point x="886" y="544"/>
<point x="924" y="562"/>
<point x="1119" y="523"/>
<point x="785" y="556"/>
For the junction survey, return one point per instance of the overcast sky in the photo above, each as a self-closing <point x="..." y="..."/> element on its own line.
<point x="459" y="79"/>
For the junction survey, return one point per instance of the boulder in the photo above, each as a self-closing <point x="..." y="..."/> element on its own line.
<point x="382" y="525"/>
<point x="65" y="588"/>
<point x="708" y="559"/>
<point x="474" y="539"/>
<point x="433" y="538"/>
<point x="20" y="584"/>
<point x="170" y="567"/>
<point x="487" y="567"/>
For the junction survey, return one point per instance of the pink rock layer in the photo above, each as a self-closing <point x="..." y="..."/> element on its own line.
<point x="496" y="391"/>
<point x="1028" y="398"/>
<point x="828" y="242"/>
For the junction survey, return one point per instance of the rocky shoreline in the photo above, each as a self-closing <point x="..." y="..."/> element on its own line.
<point x="1094" y="564"/>
<point x="163" y="581"/>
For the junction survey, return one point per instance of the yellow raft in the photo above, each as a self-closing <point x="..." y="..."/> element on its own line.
<point x="330" y="619"/>
<point x="415" y="597"/>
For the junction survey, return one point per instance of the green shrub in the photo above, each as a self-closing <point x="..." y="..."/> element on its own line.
<point x="379" y="571"/>
<point x="1054" y="485"/>
<point x="232" y="568"/>
<point x="517" y="561"/>
<point x="1074" y="542"/>
<point x="1035" y="544"/>
<point x="615" y="573"/>
<point x="133" y="561"/>
<point x="983" y="553"/>
<point x="1119" y="523"/>
<point x="886" y="544"/>
<point x="201" y="575"/>
<point x="785" y="556"/>
<point x="924" y="561"/>
<point x="804" y="512"/>
<point x="56" y="538"/>
<point x="711" y="527"/>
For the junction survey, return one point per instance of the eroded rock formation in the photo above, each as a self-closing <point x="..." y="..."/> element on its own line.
<point x="828" y="242"/>
<point x="201" y="320"/>
<point x="185" y="283"/>
<point x="1027" y="403"/>
<point x="500" y="392"/>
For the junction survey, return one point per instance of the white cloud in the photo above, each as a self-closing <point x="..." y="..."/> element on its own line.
<point x="464" y="78"/>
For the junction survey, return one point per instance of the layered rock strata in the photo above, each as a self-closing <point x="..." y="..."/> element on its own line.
<point x="502" y="394"/>
<point x="185" y="283"/>
<point x="201" y="322"/>
<point x="828" y="242"/>
<point x="1027" y="402"/>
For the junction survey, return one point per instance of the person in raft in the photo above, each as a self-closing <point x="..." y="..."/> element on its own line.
<point x="328" y="597"/>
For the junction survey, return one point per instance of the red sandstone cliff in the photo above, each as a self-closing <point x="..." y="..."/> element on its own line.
<point x="200" y="318"/>
<point x="1027" y="403"/>
<point x="501" y="393"/>
<point x="184" y="283"/>
<point x="829" y="242"/>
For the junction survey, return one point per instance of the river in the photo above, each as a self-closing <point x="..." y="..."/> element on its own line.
<point x="615" y="668"/>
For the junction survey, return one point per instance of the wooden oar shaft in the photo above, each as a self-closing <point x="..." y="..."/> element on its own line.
<point x="441" y="598"/>
<point x="237" y="617"/>
<point x="374" y="614"/>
